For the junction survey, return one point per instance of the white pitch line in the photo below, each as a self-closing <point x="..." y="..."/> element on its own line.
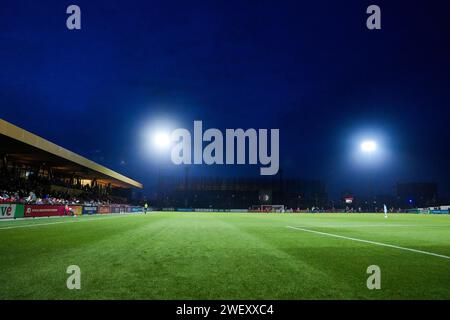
<point x="58" y="222"/>
<point x="367" y="225"/>
<point x="371" y="242"/>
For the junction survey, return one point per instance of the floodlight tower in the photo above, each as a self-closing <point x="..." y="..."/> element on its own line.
<point x="161" y="142"/>
<point x="369" y="148"/>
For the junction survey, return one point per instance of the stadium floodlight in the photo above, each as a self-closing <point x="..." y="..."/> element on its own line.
<point x="161" y="140"/>
<point x="369" y="146"/>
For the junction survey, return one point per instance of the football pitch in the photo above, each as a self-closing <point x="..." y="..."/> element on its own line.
<point x="168" y="255"/>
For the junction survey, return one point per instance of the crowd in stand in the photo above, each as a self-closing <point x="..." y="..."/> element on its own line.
<point x="37" y="190"/>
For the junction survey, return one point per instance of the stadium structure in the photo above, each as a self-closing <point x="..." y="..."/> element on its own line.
<point x="242" y="231"/>
<point x="40" y="178"/>
<point x="240" y="193"/>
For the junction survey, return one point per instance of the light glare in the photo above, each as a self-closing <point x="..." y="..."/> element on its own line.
<point x="368" y="146"/>
<point x="161" y="140"/>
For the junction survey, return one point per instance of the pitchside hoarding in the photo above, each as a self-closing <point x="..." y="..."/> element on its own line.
<point x="45" y="210"/>
<point x="9" y="211"/>
<point x="76" y="210"/>
<point x="115" y="209"/>
<point x="90" y="209"/>
<point x="104" y="209"/>
<point x="12" y="210"/>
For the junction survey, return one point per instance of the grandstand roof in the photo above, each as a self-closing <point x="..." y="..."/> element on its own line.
<point x="27" y="148"/>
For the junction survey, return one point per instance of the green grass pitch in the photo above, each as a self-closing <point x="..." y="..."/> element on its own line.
<point x="226" y="256"/>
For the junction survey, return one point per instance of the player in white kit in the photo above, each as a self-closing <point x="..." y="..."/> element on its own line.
<point x="385" y="211"/>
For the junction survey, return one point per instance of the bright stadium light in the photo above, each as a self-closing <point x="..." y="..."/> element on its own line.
<point x="155" y="139"/>
<point x="161" y="140"/>
<point x="368" y="146"/>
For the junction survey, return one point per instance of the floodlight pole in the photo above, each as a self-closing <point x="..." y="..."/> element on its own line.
<point x="159" y="187"/>
<point x="372" y="192"/>
<point x="186" y="183"/>
<point x="370" y="151"/>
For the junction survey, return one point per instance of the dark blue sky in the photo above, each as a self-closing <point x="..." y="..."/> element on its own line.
<point x="311" y="69"/>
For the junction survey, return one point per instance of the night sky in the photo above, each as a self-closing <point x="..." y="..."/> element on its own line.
<point x="311" y="69"/>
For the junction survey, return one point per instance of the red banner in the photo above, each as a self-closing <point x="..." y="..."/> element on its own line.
<point x="45" y="210"/>
<point x="104" y="209"/>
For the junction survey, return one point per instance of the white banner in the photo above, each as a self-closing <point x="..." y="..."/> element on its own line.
<point x="7" y="211"/>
